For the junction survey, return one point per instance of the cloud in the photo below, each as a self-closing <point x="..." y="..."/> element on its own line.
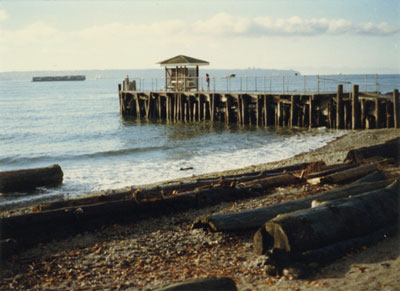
<point x="3" y="15"/>
<point x="220" y="26"/>
<point x="171" y="28"/>
<point x="225" y="24"/>
<point x="96" y="44"/>
<point x="35" y="32"/>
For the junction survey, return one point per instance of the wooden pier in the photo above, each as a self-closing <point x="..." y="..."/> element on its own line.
<point x="340" y="110"/>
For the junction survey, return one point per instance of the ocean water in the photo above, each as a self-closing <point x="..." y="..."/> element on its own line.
<point x="78" y="126"/>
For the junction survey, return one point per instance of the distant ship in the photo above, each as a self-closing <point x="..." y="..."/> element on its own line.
<point x="59" y="78"/>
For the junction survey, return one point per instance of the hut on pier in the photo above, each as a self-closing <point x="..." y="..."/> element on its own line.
<point x="182" y="73"/>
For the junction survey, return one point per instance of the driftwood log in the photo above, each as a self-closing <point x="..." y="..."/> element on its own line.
<point x="280" y="180"/>
<point x="329" y="253"/>
<point x="255" y="218"/>
<point x="29" y="229"/>
<point x="339" y="220"/>
<point x="344" y="175"/>
<point x="32" y="228"/>
<point x="29" y="179"/>
<point x="163" y="191"/>
<point x="390" y="149"/>
<point x="211" y="284"/>
<point x="302" y="265"/>
<point x="330" y="170"/>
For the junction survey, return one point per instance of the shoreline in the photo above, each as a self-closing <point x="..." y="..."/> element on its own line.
<point x="333" y="152"/>
<point x="157" y="251"/>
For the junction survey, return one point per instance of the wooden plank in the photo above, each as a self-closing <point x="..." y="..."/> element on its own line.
<point x="147" y="105"/>
<point x="227" y="107"/>
<point x="239" y="109"/>
<point x="121" y="111"/>
<point x="265" y="110"/>
<point x="185" y="111"/>
<point x="167" y="109"/>
<point x="204" y="110"/>
<point x="311" y="112"/>
<point x="363" y="113"/>
<point x="189" y="103"/>
<point x="293" y="110"/>
<point x="355" y="109"/>
<point x="388" y="114"/>
<point x="212" y="104"/>
<point x="138" y="113"/>
<point x="198" y="106"/>
<point x="278" y="117"/>
<point x="377" y="114"/>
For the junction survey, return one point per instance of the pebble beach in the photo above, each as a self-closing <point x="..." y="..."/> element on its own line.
<point x="153" y="253"/>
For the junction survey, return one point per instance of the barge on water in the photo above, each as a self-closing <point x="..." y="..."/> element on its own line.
<point x="59" y="78"/>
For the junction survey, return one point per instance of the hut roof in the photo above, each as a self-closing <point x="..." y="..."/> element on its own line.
<point x="182" y="60"/>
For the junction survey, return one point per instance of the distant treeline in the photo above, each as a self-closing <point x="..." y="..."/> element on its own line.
<point x="140" y="73"/>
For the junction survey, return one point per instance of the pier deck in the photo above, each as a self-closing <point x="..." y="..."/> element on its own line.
<point x="352" y="110"/>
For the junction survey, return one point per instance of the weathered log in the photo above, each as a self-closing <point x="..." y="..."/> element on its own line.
<point x="390" y="149"/>
<point x="259" y="174"/>
<point x="373" y="177"/>
<point x="255" y="218"/>
<point x="321" y="226"/>
<point x="217" y="284"/>
<point x="281" y="180"/>
<point x="331" y="170"/>
<point x="159" y="192"/>
<point x="130" y="194"/>
<point x="28" y="179"/>
<point x="302" y="265"/>
<point x="345" y="175"/>
<point x="32" y="228"/>
<point x="338" y="249"/>
<point x="7" y="246"/>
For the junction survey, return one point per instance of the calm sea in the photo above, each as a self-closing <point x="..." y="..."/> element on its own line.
<point x="78" y="125"/>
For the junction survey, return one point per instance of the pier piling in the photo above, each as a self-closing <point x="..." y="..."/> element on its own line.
<point x="340" y="110"/>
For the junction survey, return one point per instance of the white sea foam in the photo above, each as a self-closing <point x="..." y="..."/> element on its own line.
<point x="102" y="177"/>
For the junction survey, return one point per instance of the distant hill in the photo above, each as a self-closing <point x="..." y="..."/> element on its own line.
<point x="142" y="73"/>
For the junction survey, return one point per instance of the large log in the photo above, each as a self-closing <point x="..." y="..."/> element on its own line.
<point x="321" y="226"/>
<point x="255" y="218"/>
<point x="331" y="170"/>
<point x="28" y="179"/>
<point x="345" y="175"/>
<point x="162" y="191"/>
<point x="280" y="180"/>
<point x="330" y="253"/>
<point x="211" y="284"/>
<point x="304" y="264"/>
<point x="373" y="177"/>
<point x="32" y="228"/>
<point x="116" y="196"/>
<point x="390" y="149"/>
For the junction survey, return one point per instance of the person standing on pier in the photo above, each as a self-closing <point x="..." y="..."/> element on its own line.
<point x="208" y="82"/>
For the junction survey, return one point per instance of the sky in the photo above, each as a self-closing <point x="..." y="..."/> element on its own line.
<point x="309" y="36"/>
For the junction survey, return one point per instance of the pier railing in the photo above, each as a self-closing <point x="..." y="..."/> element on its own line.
<point x="271" y="84"/>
